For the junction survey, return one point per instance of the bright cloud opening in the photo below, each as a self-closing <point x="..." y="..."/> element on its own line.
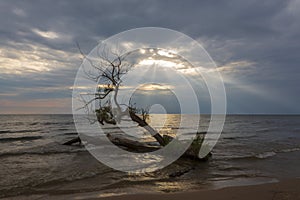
<point x="150" y="87"/>
<point x="46" y="34"/>
<point x="163" y="63"/>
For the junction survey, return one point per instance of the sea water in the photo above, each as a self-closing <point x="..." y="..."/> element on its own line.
<point x="252" y="149"/>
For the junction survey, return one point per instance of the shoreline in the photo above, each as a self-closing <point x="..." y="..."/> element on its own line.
<point x="285" y="190"/>
<point x="282" y="190"/>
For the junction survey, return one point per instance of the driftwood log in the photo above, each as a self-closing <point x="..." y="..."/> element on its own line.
<point x="135" y="146"/>
<point x="142" y="147"/>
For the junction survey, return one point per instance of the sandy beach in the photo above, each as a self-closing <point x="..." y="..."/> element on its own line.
<point x="283" y="190"/>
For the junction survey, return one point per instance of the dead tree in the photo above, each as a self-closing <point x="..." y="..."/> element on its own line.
<point x="107" y="73"/>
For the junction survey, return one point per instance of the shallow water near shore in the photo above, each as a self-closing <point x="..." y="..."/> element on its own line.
<point x="252" y="149"/>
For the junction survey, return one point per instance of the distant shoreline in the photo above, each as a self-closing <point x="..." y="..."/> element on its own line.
<point x="257" y="114"/>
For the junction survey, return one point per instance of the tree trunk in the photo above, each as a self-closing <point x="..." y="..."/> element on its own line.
<point x="131" y="145"/>
<point x="138" y="147"/>
<point x="145" y="125"/>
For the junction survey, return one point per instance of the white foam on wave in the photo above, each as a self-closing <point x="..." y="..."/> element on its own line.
<point x="290" y="150"/>
<point x="273" y="153"/>
<point x="266" y="155"/>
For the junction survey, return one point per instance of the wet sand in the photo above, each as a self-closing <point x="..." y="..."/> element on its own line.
<point x="283" y="190"/>
<point x="286" y="190"/>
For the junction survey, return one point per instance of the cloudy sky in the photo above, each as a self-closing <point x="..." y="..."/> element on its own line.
<point x="255" y="45"/>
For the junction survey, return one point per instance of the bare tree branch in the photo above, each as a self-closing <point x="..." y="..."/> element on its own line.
<point x="109" y="67"/>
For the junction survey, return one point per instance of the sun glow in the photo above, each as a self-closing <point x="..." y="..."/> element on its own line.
<point x="163" y="63"/>
<point x="150" y="87"/>
<point x="166" y="53"/>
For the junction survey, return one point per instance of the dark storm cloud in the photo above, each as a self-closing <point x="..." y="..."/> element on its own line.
<point x="95" y="19"/>
<point x="263" y="33"/>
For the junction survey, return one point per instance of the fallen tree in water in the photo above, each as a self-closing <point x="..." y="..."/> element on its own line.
<point x="141" y="147"/>
<point x="107" y="73"/>
<point x="132" y="145"/>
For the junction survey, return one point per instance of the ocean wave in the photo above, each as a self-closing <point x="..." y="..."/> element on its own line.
<point x="56" y="123"/>
<point x="24" y="138"/>
<point x="70" y="133"/>
<point x="62" y="129"/>
<point x="34" y="123"/>
<point x="19" y="153"/>
<point x="266" y="155"/>
<point x="290" y="150"/>
<point x="8" y="123"/>
<point x="20" y="131"/>
<point x="264" y="130"/>
<point x="248" y="157"/>
<point x="237" y="137"/>
<point x="3" y="132"/>
<point x="263" y="155"/>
